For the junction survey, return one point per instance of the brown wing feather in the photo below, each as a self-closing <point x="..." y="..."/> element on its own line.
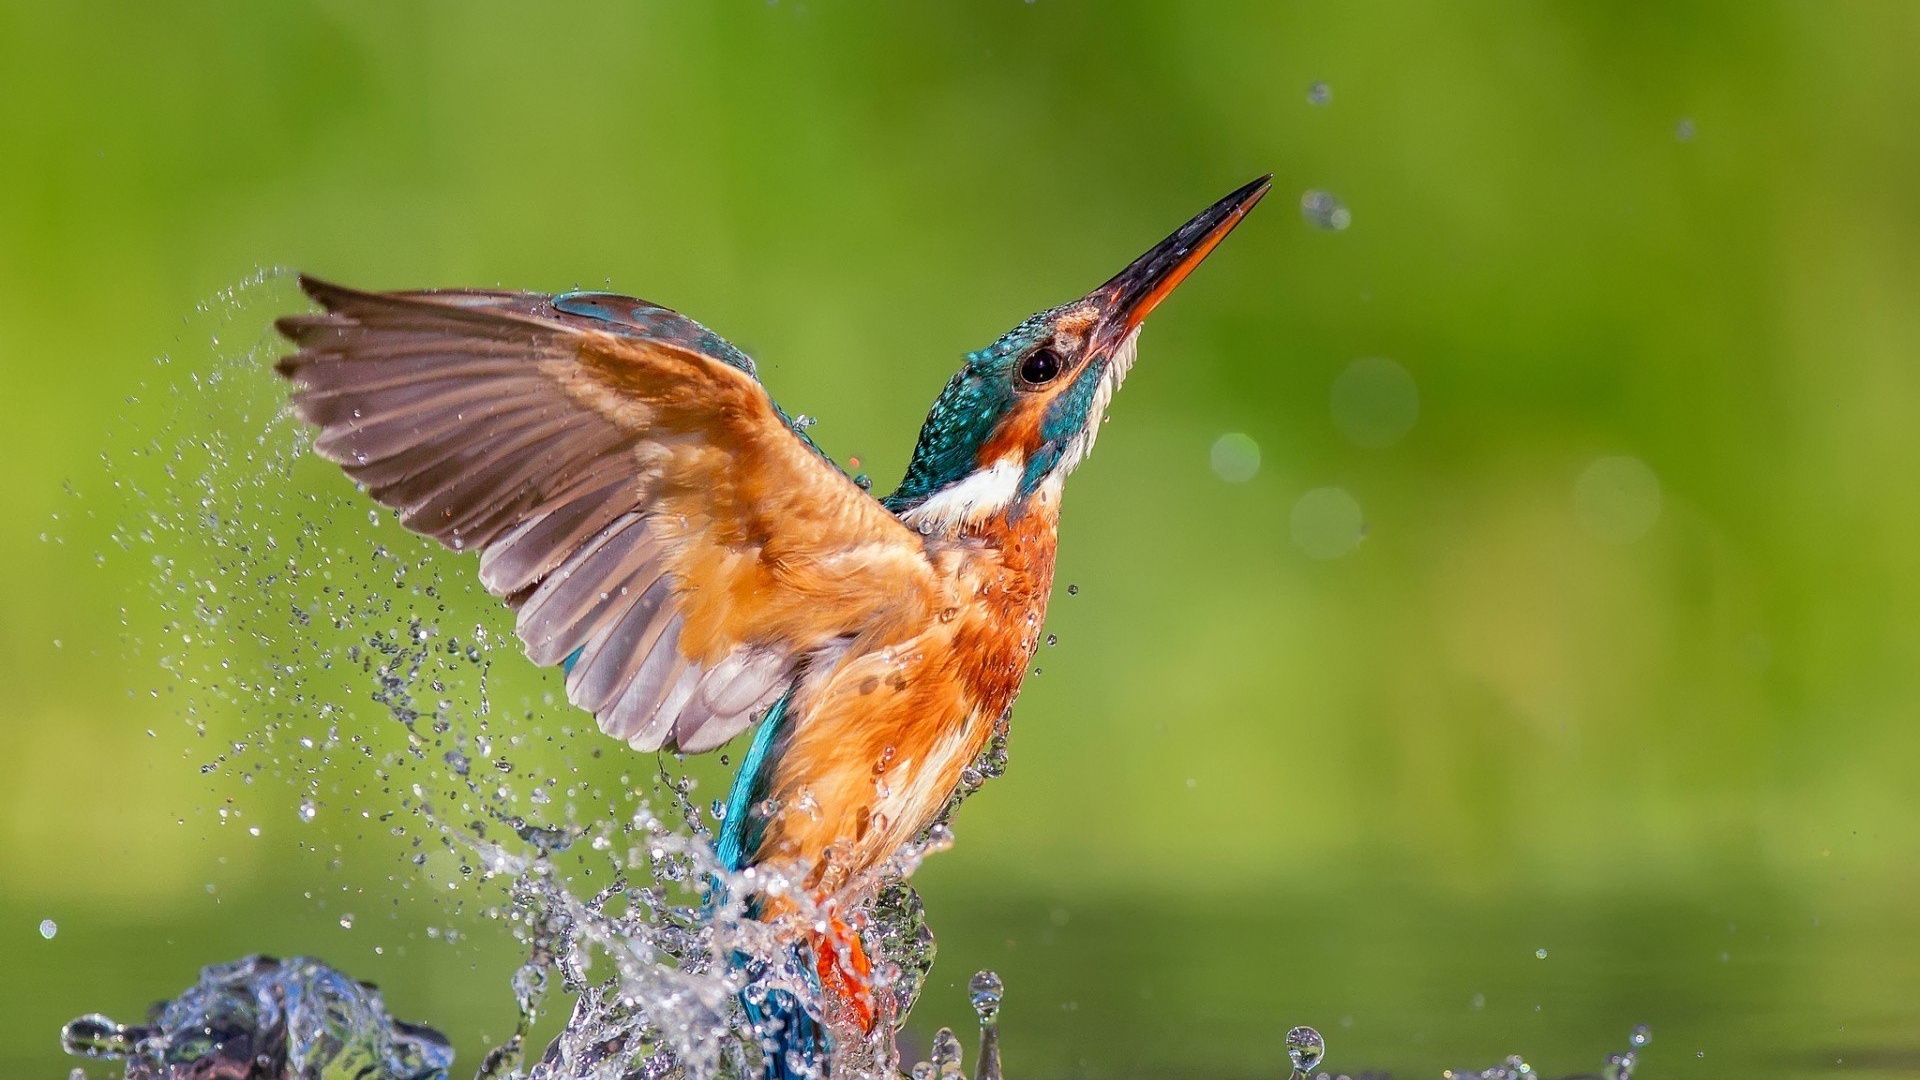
<point x="634" y="493"/>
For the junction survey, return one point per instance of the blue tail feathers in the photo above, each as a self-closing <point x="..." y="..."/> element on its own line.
<point x="793" y="1044"/>
<point x="740" y="831"/>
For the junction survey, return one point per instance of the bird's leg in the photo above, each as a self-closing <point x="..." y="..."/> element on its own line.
<point x="845" y="972"/>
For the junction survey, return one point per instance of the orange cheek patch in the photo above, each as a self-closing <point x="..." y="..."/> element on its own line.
<point x="1017" y="436"/>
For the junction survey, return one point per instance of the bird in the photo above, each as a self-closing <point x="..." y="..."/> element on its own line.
<point x="698" y="566"/>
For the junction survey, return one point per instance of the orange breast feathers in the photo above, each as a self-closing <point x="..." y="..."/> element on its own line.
<point x="881" y="735"/>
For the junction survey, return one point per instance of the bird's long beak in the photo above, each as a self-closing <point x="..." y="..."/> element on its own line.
<point x="1134" y="292"/>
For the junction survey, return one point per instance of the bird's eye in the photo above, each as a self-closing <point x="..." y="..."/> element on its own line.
<point x="1040" y="367"/>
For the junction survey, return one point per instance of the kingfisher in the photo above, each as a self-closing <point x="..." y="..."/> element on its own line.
<point x="679" y="544"/>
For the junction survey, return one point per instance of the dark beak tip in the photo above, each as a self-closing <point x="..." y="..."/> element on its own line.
<point x="1135" y="291"/>
<point x="1249" y="195"/>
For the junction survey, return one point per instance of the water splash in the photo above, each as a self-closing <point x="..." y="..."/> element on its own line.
<point x="985" y="991"/>
<point x="1618" y="1066"/>
<point x="308" y="643"/>
<point x="261" y="1017"/>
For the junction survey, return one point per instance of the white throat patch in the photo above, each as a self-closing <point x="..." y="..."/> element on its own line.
<point x="992" y="490"/>
<point x="989" y="491"/>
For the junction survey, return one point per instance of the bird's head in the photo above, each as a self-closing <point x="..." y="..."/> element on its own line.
<point x="1024" y="411"/>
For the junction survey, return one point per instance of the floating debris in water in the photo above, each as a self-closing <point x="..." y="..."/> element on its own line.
<point x="1305" y="1049"/>
<point x="1323" y="210"/>
<point x="261" y="1019"/>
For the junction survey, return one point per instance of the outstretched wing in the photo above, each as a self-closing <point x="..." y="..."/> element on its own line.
<point x="657" y="523"/>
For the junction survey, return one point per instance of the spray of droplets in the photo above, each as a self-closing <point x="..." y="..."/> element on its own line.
<point x="1618" y="1066"/>
<point x="322" y="659"/>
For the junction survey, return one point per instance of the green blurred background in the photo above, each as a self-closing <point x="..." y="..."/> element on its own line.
<point x="1624" y="668"/>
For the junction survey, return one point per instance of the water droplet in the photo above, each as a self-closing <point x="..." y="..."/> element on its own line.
<point x="95" y="1036"/>
<point x="1617" y="499"/>
<point x="1323" y="210"/>
<point x="1073" y="590"/>
<point x="1539" y="954"/>
<point x="1235" y="457"/>
<point x="346" y="921"/>
<point x="1684" y="130"/>
<point x="945" y="1057"/>
<point x="458" y="761"/>
<point x="1374" y="402"/>
<point x="48" y="928"/>
<point x="1642" y="1035"/>
<point x="1327" y="523"/>
<point x="1305" y="1048"/>
<point x="802" y="422"/>
<point x="1052" y="640"/>
<point x="1319" y="94"/>
<point x="905" y="942"/>
<point x="984" y="991"/>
